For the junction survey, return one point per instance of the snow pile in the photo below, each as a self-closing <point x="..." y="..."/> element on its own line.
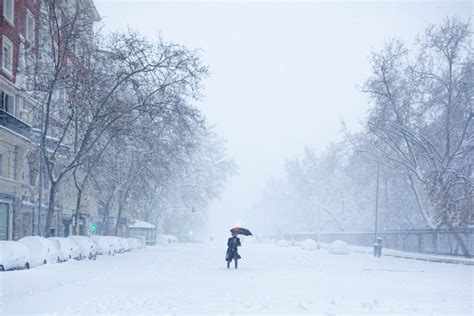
<point x="339" y="247"/>
<point x="142" y="224"/>
<point x="309" y="244"/>
<point x="283" y="243"/>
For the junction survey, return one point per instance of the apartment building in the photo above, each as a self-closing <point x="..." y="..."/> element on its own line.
<point x="20" y="128"/>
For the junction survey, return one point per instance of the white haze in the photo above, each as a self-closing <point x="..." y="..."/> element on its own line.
<point x="283" y="75"/>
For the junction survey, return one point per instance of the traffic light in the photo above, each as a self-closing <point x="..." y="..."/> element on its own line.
<point x="93" y="227"/>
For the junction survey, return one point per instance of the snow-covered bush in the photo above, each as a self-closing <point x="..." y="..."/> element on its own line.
<point x="13" y="255"/>
<point x="339" y="247"/>
<point x="283" y="243"/>
<point x="41" y="250"/>
<point x="309" y="244"/>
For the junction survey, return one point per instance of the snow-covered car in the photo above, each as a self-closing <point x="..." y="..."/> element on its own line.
<point x="13" y="255"/>
<point x="137" y="242"/>
<point x="41" y="250"/>
<point x="67" y="249"/>
<point x="133" y="243"/>
<point x="166" y="239"/>
<point x="141" y="242"/>
<point x="124" y="244"/>
<point x="172" y="239"/>
<point x="104" y="245"/>
<point x="116" y="245"/>
<point x="88" y="247"/>
<point x="76" y="250"/>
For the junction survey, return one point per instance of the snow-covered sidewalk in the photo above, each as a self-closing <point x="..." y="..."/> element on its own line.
<point x="192" y="278"/>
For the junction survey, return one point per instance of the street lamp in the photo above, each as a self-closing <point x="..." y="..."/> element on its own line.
<point x="292" y="221"/>
<point x="376" y="203"/>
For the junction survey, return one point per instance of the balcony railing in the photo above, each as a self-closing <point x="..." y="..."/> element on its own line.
<point x="14" y="124"/>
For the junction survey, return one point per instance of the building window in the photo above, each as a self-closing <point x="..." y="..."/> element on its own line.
<point x="7" y="102"/>
<point x="7" y="55"/>
<point x="30" y="27"/>
<point x="8" y="8"/>
<point x="4" y="209"/>
<point x="26" y="224"/>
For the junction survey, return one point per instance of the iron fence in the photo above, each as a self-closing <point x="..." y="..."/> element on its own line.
<point x="439" y="242"/>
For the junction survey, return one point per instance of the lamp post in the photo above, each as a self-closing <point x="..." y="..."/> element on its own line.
<point x="292" y="220"/>
<point x="376" y="203"/>
<point x="376" y="193"/>
<point x="320" y="226"/>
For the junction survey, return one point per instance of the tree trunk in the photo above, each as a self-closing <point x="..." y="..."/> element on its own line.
<point x="75" y="230"/>
<point x="119" y="215"/>
<point x="423" y="212"/>
<point x="105" y="220"/>
<point x="49" y="215"/>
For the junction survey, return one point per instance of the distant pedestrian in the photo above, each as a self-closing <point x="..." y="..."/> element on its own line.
<point x="232" y="251"/>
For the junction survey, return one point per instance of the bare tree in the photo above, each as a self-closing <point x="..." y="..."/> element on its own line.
<point x="423" y="119"/>
<point x="87" y="93"/>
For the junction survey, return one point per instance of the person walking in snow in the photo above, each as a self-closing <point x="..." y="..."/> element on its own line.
<point x="232" y="251"/>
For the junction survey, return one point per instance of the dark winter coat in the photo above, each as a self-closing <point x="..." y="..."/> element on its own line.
<point x="232" y="252"/>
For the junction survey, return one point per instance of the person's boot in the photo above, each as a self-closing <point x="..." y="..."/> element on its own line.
<point x="236" y="264"/>
<point x="228" y="264"/>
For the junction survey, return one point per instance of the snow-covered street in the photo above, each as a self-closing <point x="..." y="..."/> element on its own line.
<point x="192" y="278"/>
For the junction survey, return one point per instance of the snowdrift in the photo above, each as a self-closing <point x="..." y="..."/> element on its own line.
<point x="283" y="243"/>
<point x="339" y="247"/>
<point x="309" y="244"/>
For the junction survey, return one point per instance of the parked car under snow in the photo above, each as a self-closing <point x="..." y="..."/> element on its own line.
<point x="41" y="250"/>
<point x="13" y="256"/>
<point x="67" y="248"/>
<point x="116" y="244"/>
<point x="134" y="243"/>
<point x="104" y="245"/>
<point x="88" y="247"/>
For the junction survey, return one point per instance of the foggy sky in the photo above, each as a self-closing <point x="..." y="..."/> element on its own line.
<point x="283" y="75"/>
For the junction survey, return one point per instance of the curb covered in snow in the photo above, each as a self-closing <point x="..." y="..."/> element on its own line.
<point x="410" y="255"/>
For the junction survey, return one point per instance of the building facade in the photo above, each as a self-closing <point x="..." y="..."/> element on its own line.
<point x="20" y="133"/>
